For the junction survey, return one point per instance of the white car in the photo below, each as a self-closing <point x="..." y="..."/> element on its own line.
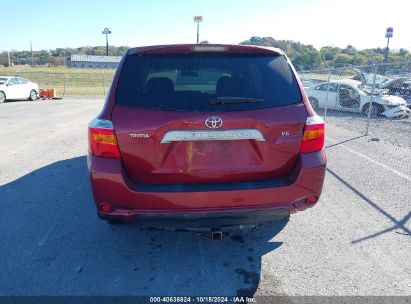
<point x="17" y="88"/>
<point x="348" y="95"/>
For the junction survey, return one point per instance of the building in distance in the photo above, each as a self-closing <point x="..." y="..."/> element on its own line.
<point x="93" y="62"/>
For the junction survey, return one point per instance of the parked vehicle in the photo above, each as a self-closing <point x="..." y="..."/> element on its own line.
<point x="349" y="95"/>
<point x="205" y="136"/>
<point x="367" y="79"/>
<point x="17" y="88"/>
<point x="399" y="87"/>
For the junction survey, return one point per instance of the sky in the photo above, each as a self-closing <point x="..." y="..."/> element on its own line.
<point x="54" y="24"/>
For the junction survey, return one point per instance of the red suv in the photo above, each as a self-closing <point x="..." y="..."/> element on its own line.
<point x="205" y="135"/>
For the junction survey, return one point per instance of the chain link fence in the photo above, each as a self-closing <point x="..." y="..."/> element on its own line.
<point x="72" y="84"/>
<point x="367" y="111"/>
<point x="372" y="100"/>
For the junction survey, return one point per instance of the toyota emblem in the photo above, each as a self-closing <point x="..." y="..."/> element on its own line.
<point x="213" y="122"/>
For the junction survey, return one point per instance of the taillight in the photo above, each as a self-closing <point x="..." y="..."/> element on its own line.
<point x="102" y="139"/>
<point x="313" y="137"/>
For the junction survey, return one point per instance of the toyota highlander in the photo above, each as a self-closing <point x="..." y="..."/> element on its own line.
<point x="205" y="136"/>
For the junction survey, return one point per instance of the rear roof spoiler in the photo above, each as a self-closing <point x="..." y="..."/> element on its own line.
<point x="205" y="48"/>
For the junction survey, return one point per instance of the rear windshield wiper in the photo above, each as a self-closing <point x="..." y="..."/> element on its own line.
<point x="232" y="99"/>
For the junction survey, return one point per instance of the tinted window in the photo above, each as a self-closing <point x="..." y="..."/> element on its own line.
<point x="194" y="82"/>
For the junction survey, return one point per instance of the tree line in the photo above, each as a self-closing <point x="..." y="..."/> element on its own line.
<point x="303" y="56"/>
<point x="55" y="57"/>
<point x="306" y="57"/>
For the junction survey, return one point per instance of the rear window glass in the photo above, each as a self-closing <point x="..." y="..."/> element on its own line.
<point x="206" y="82"/>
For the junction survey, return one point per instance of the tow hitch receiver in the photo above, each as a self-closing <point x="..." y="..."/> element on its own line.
<point x="216" y="234"/>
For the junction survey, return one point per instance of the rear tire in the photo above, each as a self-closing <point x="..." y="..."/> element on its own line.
<point x="314" y="103"/>
<point x="2" y="97"/>
<point x="33" y="95"/>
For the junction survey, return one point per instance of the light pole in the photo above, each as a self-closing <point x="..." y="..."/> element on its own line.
<point x="388" y="34"/>
<point x="198" y="19"/>
<point x="106" y="32"/>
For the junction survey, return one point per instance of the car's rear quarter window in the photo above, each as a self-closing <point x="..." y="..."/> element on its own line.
<point x="190" y="82"/>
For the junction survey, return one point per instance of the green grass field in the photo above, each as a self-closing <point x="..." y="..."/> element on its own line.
<point x="67" y="81"/>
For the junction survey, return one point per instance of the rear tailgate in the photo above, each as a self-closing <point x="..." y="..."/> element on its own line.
<point x="150" y="156"/>
<point x="166" y="95"/>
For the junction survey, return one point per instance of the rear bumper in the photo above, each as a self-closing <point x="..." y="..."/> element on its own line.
<point x="234" y="203"/>
<point x="196" y="220"/>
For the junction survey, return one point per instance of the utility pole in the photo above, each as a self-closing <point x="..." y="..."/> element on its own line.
<point x="198" y="19"/>
<point x="8" y="56"/>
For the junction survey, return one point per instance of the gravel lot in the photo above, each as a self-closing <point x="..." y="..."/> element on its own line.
<point x="356" y="241"/>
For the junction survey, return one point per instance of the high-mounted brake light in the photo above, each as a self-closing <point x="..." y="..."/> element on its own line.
<point x="205" y="48"/>
<point x="102" y="139"/>
<point x="313" y="137"/>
